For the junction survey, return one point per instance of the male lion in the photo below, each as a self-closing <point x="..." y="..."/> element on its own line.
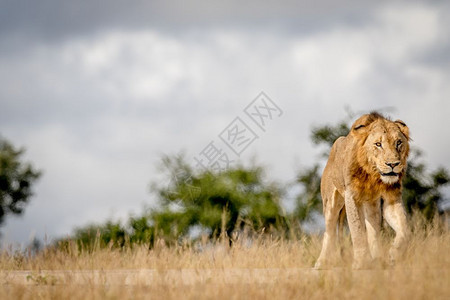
<point x="364" y="167"/>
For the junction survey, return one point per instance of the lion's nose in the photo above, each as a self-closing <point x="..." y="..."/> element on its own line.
<point x="393" y="165"/>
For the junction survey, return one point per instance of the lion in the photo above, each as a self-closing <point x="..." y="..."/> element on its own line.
<point x="364" y="167"/>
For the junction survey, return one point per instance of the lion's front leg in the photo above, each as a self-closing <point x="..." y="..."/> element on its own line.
<point x="355" y="218"/>
<point x="395" y="215"/>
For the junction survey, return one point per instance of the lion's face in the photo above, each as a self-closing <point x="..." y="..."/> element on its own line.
<point x="381" y="147"/>
<point x="387" y="148"/>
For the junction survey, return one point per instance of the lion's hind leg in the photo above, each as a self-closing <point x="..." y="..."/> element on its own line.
<point x="332" y="208"/>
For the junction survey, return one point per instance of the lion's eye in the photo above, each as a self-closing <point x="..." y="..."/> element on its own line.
<point x="378" y="144"/>
<point x="399" y="142"/>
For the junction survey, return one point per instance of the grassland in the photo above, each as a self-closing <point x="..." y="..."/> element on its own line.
<point x="264" y="267"/>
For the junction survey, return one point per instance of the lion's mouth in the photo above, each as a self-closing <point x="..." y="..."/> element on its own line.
<point x="389" y="174"/>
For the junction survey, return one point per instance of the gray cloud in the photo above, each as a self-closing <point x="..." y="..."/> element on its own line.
<point x="50" y="19"/>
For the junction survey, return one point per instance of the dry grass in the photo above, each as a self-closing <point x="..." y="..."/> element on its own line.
<point x="267" y="268"/>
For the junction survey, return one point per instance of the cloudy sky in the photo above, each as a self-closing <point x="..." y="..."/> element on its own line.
<point x="97" y="91"/>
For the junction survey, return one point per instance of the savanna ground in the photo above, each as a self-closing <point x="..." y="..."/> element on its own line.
<point x="263" y="267"/>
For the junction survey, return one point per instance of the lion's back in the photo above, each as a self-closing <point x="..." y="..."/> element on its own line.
<point x="333" y="174"/>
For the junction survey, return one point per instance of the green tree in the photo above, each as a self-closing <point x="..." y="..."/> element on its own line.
<point x="141" y="231"/>
<point x="421" y="190"/>
<point x="111" y="234"/>
<point x="309" y="200"/>
<point x="217" y="202"/>
<point x="95" y="236"/>
<point x="16" y="180"/>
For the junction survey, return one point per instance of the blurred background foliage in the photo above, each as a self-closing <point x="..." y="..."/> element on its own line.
<point x="16" y="180"/>
<point x="196" y="203"/>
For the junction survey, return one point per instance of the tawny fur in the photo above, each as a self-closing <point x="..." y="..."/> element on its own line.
<point x="363" y="167"/>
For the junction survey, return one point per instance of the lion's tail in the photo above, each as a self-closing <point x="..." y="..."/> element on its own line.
<point x="342" y="215"/>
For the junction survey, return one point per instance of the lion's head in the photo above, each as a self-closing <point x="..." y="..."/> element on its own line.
<point x="382" y="147"/>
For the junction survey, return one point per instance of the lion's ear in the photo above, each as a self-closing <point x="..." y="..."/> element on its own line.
<point x="403" y="128"/>
<point x="360" y="123"/>
<point x="365" y="121"/>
